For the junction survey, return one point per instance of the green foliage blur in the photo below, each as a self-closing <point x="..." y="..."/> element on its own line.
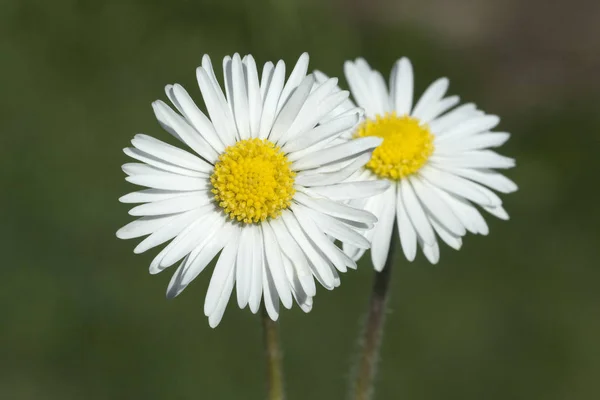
<point x="514" y="315"/>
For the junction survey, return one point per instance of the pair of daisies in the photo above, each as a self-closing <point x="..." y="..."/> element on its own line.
<point x="278" y="171"/>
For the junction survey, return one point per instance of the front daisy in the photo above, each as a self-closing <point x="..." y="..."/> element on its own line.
<point x="265" y="187"/>
<point x="437" y="162"/>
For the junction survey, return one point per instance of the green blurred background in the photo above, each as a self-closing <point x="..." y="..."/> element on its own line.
<point x="514" y="315"/>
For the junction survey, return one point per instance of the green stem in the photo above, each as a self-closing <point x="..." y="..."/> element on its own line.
<point x="274" y="358"/>
<point x="373" y="330"/>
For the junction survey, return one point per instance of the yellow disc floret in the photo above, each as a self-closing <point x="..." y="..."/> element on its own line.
<point x="252" y="181"/>
<point x="406" y="145"/>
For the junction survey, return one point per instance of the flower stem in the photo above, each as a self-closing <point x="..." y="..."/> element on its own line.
<point x="273" y="357"/>
<point x="373" y="330"/>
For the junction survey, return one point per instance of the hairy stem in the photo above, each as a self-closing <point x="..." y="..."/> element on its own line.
<point x="373" y="331"/>
<point x="273" y="357"/>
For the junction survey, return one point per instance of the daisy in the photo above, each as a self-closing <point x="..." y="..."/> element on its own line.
<point x="262" y="184"/>
<point x="436" y="158"/>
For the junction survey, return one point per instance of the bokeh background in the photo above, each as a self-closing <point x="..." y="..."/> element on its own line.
<point x="514" y="315"/>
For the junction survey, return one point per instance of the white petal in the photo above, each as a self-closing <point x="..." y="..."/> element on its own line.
<point x="243" y="267"/>
<point x="225" y="266"/>
<point x="302" y="299"/>
<point x="380" y="93"/>
<point x="297" y="75"/>
<point x="149" y="195"/>
<point x="241" y="108"/>
<point x="196" y="117"/>
<point x="169" y="119"/>
<point x="336" y="153"/>
<point x="173" y="205"/>
<point x="265" y="80"/>
<point x="336" y="209"/>
<point x="309" y="116"/>
<point x="144" y="226"/>
<point x="497" y="211"/>
<point x="271" y="99"/>
<point x="192" y="236"/>
<point x="290" y="110"/>
<point x="317" y="177"/>
<point x="228" y="80"/>
<point x="383" y="229"/>
<point x="350" y="190"/>
<point x="338" y="230"/>
<point x="322" y="242"/>
<point x="462" y="113"/>
<point x="275" y="265"/>
<point x="254" y="96"/>
<point x="488" y="178"/>
<point x="328" y="130"/>
<point x="169" y="230"/>
<point x="171" y="154"/>
<point x="448" y="237"/>
<point x="455" y="184"/>
<point x="416" y="213"/>
<point x="470" y="126"/>
<point x="440" y="107"/>
<point x="401" y="86"/>
<point x="432" y="95"/>
<point x="257" y="263"/>
<point x="408" y="235"/>
<point x="161" y="164"/>
<point x="270" y="294"/>
<point x="196" y="262"/>
<point x="290" y="247"/>
<point x="357" y="81"/>
<point x="432" y="252"/>
<point x="215" y="318"/>
<point x="219" y="112"/>
<point x="437" y="207"/>
<point x="168" y="181"/>
<point x="466" y="212"/>
<point x="474" y="159"/>
<point x="320" y="267"/>
<point x="473" y="142"/>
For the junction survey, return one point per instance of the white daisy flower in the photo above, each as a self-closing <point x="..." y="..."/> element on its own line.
<point x="263" y="185"/>
<point x="437" y="161"/>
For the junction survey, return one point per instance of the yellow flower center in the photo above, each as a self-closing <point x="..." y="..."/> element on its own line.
<point x="406" y="145"/>
<point x="252" y="181"/>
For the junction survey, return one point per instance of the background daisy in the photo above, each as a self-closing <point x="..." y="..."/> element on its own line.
<point x="263" y="185"/>
<point x="436" y="156"/>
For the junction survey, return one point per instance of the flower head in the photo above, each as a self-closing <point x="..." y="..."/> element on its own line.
<point x="436" y="158"/>
<point x="262" y="183"/>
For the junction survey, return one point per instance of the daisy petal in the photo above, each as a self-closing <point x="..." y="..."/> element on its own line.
<point x="382" y="234"/>
<point x="350" y="190"/>
<point x="243" y="268"/>
<point x="408" y="235"/>
<point x="437" y="207"/>
<point x="274" y="263"/>
<point x="336" y="153"/>
<point x="416" y="213"/>
<point x="171" y="154"/>
<point x="196" y="117"/>
<point x="173" y="205"/>
<point x="254" y="95"/>
<point x="271" y="99"/>
<point x="297" y="75"/>
<point x="169" y="119"/>
<point x="161" y="164"/>
<point x="401" y="86"/>
<point x="257" y="262"/>
<point x="225" y="266"/>
<point x="196" y="262"/>
<point x="292" y="107"/>
<point x="432" y="95"/>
